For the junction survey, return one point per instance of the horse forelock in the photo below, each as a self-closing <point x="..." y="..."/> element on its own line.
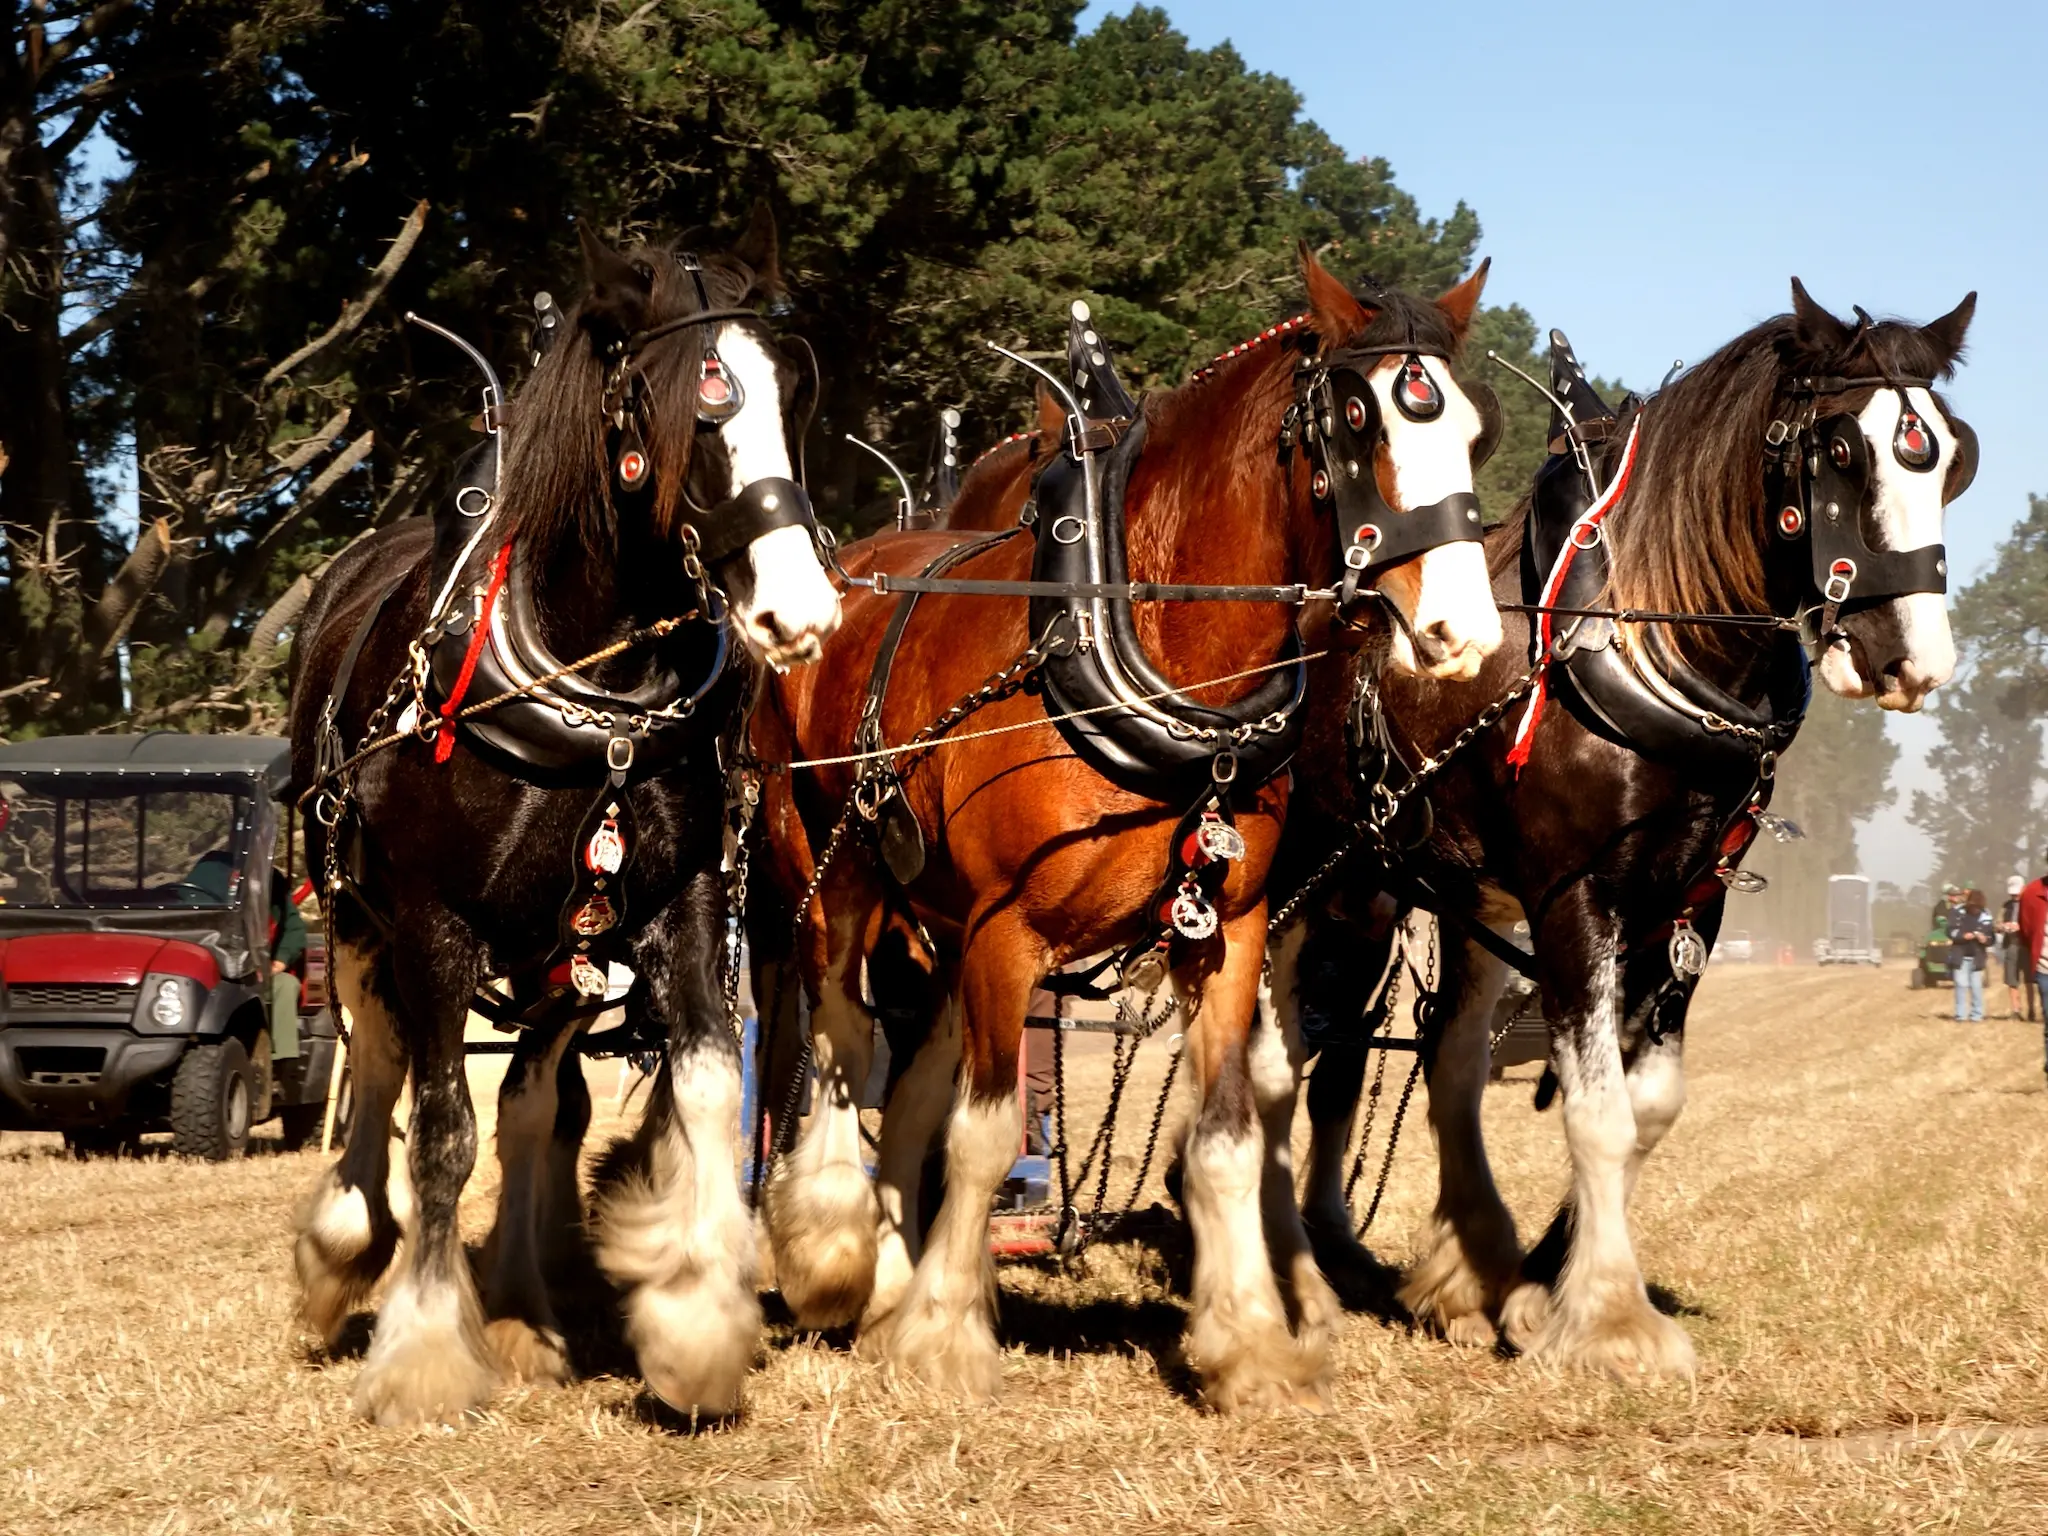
<point x="558" y="470"/>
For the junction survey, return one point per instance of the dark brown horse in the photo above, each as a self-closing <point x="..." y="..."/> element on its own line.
<point x="451" y="871"/>
<point x="1601" y="848"/>
<point x="1036" y="859"/>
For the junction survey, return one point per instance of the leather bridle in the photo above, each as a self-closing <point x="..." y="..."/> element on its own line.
<point x="1336" y="416"/>
<point x="1817" y="475"/>
<point x="723" y="531"/>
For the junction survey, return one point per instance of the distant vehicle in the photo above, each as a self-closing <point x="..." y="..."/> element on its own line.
<point x="1850" y="939"/>
<point x="1735" y="947"/>
<point x="135" y="943"/>
<point x="1519" y="1031"/>
<point x="1930" y="965"/>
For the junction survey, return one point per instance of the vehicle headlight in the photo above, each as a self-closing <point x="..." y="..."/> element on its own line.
<point x="168" y="1007"/>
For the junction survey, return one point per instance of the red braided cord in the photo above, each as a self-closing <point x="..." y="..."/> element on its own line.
<point x="444" y="741"/>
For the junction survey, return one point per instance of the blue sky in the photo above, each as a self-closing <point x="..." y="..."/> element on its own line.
<point x="1649" y="178"/>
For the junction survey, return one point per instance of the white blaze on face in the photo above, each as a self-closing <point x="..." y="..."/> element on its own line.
<point x="1906" y="509"/>
<point x="788" y="607"/>
<point x="1454" y="607"/>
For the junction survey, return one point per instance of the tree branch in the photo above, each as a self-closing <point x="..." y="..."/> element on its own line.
<point x="357" y="311"/>
<point x="122" y="597"/>
<point x="256" y="560"/>
<point x="102" y="22"/>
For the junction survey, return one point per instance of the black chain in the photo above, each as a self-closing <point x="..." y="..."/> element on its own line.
<point x="1385" y="802"/>
<point x="1066" y="1237"/>
<point x="999" y="686"/>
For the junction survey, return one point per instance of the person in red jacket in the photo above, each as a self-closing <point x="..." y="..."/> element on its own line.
<point x="2033" y="923"/>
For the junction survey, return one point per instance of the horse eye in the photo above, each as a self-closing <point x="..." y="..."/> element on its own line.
<point x="1913" y="445"/>
<point x="1415" y="392"/>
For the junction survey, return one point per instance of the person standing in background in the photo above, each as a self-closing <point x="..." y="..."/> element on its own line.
<point x="2033" y="920"/>
<point x="1969" y="945"/>
<point x="2013" y="950"/>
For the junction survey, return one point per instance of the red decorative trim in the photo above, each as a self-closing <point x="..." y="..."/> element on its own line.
<point x="444" y="740"/>
<point x="1270" y="333"/>
<point x="1591" y="518"/>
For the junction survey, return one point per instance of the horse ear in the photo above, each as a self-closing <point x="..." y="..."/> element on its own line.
<point x="759" y="249"/>
<point x="1817" y="331"/>
<point x="1338" y="315"/>
<point x="1052" y="416"/>
<point x="607" y="268"/>
<point x="1462" y="302"/>
<point x="1947" y="333"/>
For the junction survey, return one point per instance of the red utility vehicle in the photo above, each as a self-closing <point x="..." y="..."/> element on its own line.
<point x="138" y="915"/>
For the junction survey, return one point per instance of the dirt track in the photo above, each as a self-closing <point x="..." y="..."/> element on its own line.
<point x="1851" y="1219"/>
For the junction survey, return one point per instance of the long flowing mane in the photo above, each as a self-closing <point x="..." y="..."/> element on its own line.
<point x="557" y="472"/>
<point x="1691" y="533"/>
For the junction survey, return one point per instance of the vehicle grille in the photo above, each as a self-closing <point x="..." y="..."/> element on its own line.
<point x="72" y="996"/>
<point x="62" y="1066"/>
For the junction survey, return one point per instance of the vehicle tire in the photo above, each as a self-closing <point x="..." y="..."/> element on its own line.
<point x="301" y="1123"/>
<point x="211" y="1097"/>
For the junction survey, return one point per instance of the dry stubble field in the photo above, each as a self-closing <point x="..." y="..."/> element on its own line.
<point x="1852" y="1218"/>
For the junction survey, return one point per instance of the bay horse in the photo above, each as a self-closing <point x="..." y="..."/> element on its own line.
<point x="1602" y="849"/>
<point x="656" y="429"/>
<point x="1036" y="859"/>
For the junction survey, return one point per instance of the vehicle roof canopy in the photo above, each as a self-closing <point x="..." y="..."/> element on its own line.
<point x="154" y="754"/>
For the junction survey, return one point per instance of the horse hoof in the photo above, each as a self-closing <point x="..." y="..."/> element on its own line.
<point x="953" y="1355"/>
<point x="338" y="1253"/>
<point x="1632" y="1343"/>
<point x="1247" y="1370"/>
<point x="1525" y="1314"/>
<point x="822" y="1231"/>
<point x="695" y="1344"/>
<point x="537" y="1356"/>
<point x="429" y="1381"/>
<point x="1451" y="1294"/>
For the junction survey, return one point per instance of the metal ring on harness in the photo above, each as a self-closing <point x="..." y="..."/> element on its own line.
<point x="1592" y="535"/>
<point x="1069" y="522"/>
<point x="484" y="498"/>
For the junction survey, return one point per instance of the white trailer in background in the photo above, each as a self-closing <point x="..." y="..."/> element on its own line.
<point x="1849" y="940"/>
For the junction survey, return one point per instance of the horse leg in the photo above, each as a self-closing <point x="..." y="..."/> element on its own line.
<point x="821" y="1207"/>
<point x="348" y="1225"/>
<point x="1237" y="1339"/>
<point x="1320" y="994"/>
<point x="560" y="1203"/>
<point x="1470" y="1252"/>
<point x="1275" y="1059"/>
<point x="523" y="1332"/>
<point x="1656" y="1092"/>
<point x="916" y="1112"/>
<point x="942" y="1332"/>
<point x="428" y="1360"/>
<point x="669" y="1219"/>
<point x="1599" y="1316"/>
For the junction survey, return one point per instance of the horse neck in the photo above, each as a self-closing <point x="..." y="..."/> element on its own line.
<point x="1737" y="660"/>
<point x="584" y="601"/>
<point x="1212" y="502"/>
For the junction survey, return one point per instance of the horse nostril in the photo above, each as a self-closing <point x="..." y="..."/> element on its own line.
<point x="772" y="625"/>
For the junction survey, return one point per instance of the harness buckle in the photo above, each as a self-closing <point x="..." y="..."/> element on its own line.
<point x="1777" y="434"/>
<point x="618" y="754"/>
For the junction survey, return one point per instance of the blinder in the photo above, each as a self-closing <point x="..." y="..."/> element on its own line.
<point x="725" y="530"/>
<point x="1338" y="419"/>
<point x="1820" y="476"/>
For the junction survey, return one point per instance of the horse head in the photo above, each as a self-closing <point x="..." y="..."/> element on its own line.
<point x="1394" y="437"/>
<point x="1879" y="436"/>
<point x="698" y="415"/>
